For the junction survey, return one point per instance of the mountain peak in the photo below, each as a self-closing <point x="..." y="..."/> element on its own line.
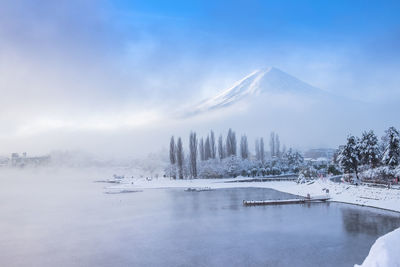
<point x="266" y="80"/>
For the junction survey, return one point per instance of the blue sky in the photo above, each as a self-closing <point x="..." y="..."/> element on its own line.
<point x="81" y="64"/>
<point x="336" y="45"/>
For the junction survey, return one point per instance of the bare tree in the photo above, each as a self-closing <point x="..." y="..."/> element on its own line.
<point x="257" y="148"/>
<point x="272" y="144"/>
<point x="193" y="154"/>
<point x="244" y="147"/>
<point x="172" y="151"/>
<point x="231" y="143"/>
<point x="221" y="150"/>
<point x="207" y="149"/>
<point x="212" y="145"/>
<point x="277" y="146"/>
<point x="262" y="150"/>
<point x="201" y="149"/>
<point x="180" y="157"/>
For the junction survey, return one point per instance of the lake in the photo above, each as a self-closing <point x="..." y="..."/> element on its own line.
<point x="63" y="222"/>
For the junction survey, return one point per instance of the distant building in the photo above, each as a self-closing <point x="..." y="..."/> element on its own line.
<point x="4" y="161"/>
<point x="24" y="160"/>
<point x="327" y="153"/>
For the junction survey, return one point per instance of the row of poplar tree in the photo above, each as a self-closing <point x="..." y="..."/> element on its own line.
<point x="209" y="148"/>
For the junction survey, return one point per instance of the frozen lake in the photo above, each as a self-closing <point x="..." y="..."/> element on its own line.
<point x="68" y="221"/>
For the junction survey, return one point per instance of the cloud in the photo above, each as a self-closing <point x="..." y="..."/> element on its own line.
<point x="102" y="69"/>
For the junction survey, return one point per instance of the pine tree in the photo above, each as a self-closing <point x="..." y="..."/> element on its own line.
<point x="369" y="149"/>
<point x="180" y="157"/>
<point x="193" y="154"/>
<point x="391" y="155"/>
<point x="349" y="157"/>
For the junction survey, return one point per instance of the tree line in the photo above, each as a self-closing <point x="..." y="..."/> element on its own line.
<point x="367" y="157"/>
<point x="208" y="156"/>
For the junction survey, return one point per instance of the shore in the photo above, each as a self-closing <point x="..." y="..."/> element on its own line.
<point x="382" y="254"/>
<point x="383" y="198"/>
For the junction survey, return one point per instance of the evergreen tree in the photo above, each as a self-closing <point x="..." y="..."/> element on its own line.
<point x="193" y="154"/>
<point x="369" y="149"/>
<point x="349" y="157"/>
<point x="180" y="157"/>
<point x="391" y="155"/>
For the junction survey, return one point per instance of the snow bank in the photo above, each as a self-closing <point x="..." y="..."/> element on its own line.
<point x="361" y="195"/>
<point x="384" y="252"/>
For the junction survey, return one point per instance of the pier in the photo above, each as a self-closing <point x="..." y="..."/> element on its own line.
<point x="285" y="201"/>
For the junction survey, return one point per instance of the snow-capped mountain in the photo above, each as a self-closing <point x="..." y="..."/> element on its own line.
<point x="269" y="80"/>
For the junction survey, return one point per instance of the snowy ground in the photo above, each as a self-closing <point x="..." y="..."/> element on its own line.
<point x="384" y="253"/>
<point x="361" y="195"/>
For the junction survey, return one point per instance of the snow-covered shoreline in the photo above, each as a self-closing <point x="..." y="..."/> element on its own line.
<point x="383" y="198"/>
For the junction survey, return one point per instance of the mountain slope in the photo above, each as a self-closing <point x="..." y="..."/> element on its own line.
<point x="269" y="80"/>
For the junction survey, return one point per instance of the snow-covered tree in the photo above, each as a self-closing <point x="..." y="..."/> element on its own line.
<point x="293" y="158"/>
<point x="369" y="149"/>
<point x="233" y="166"/>
<point x="211" y="168"/>
<point x="349" y="157"/>
<point x="180" y="157"/>
<point x="193" y="154"/>
<point x="244" y="147"/>
<point x="391" y="154"/>
<point x="283" y="149"/>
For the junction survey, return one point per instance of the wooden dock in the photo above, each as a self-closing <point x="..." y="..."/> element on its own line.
<point x="285" y="201"/>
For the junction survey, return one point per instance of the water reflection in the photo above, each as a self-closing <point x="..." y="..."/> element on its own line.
<point x="370" y="221"/>
<point x="171" y="227"/>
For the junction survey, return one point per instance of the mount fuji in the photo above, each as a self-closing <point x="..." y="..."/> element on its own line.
<point x="271" y="81"/>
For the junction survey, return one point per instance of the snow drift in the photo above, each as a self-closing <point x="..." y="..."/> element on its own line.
<point x="384" y="252"/>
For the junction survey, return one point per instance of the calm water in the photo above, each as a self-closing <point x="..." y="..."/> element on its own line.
<point x="77" y="225"/>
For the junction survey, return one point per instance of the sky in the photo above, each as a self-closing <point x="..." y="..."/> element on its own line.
<point x="92" y="68"/>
